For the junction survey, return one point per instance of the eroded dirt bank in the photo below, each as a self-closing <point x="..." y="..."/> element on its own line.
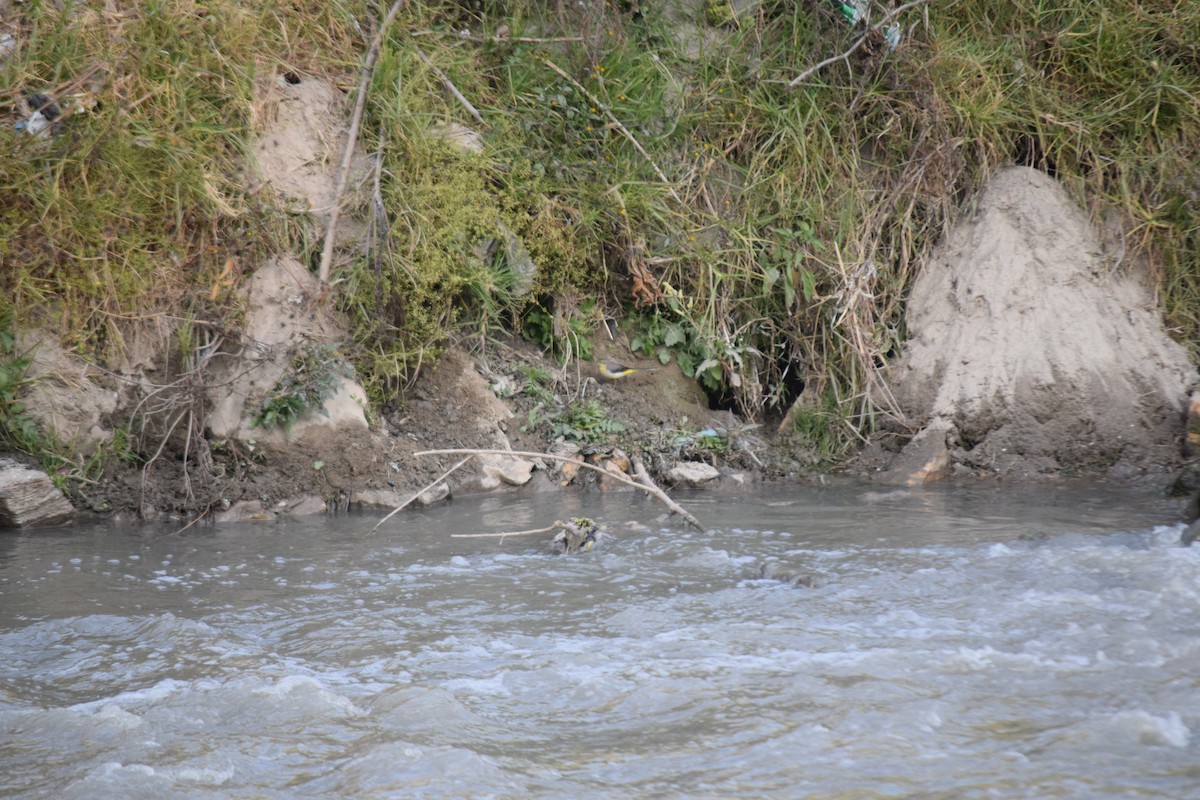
<point x="1033" y="349"/>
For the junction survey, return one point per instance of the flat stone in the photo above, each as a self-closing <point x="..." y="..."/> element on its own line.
<point x="434" y="494"/>
<point x="29" y="499"/>
<point x="374" y="499"/>
<point x="693" y="473"/>
<point x="305" y="506"/>
<point x="245" y="511"/>
<point x="510" y="470"/>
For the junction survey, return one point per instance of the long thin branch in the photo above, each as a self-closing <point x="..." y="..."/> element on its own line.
<point x="888" y="17"/>
<point x="364" y="81"/>
<point x="424" y="489"/>
<point x="646" y="486"/>
<point x="643" y="477"/>
<point x="501" y="536"/>
<point x="617" y="124"/>
<point x="450" y="87"/>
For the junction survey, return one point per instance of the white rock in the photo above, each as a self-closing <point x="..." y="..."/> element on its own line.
<point x="693" y="473"/>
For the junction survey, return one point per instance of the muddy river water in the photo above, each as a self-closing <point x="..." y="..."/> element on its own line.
<point x="958" y="643"/>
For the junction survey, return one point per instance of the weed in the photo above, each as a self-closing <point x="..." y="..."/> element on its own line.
<point x="584" y="423"/>
<point x="313" y="376"/>
<point x="17" y="428"/>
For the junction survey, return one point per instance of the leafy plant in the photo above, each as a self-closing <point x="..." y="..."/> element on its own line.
<point x="312" y="378"/>
<point x="565" y="333"/>
<point x="584" y="423"/>
<point x="663" y="338"/>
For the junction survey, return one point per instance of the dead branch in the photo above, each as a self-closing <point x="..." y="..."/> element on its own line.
<point x="501" y="536"/>
<point x="616" y="123"/>
<point x="424" y="489"/>
<point x="646" y="486"/>
<point x="644" y="480"/>
<point x="360" y="103"/>
<point x="888" y="17"/>
<point x="450" y="87"/>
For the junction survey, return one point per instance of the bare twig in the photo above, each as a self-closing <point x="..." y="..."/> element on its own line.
<point x="501" y="536"/>
<point x="424" y="489"/>
<point x="888" y="17"/>
<point x="616" y="123"/>
<point x="643" y="483"/>
<point x="360" y="103"/>
<point x="450" y="87"/>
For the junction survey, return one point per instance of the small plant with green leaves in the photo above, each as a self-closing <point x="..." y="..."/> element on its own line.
<point x="664" y="338"/>
<point x="563" y="334"/>
<point x="312" y="377"/>
<point x="584" y="423"/>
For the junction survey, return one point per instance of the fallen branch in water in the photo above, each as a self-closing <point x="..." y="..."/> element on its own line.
<point x="407" y="502"/>
<point x="643" y="480"/>
<point x="644" y="483"/>
<point x="501" y="536"/>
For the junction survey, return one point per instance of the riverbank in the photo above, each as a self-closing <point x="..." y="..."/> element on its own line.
<point x="924" y="258"/>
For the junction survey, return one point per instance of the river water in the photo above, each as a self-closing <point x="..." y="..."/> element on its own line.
<point x="957" y="643"/>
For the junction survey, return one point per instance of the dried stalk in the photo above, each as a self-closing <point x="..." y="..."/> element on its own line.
<point x="644" y="483"/>
<point x="360" y="103"/>
<point x="616" y="123"/>
<point x="450" y="87"/>
<point x="888" y="17"/>
<point x="501" y="536"/>
<point x="424" y="489"/>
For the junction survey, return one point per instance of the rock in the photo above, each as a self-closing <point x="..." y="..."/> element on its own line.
<point x="374" y="499"/>
<point x="284" y="316"/>
<point x="1190" y="534"/>
<point x="245" y="511"/>
<point x="434" y="494"/>
<point x="1041" y="354"/>
<point x="29" y="499"/>
<point x="1191" y="444"/>
<point x="61" y="393"/>
<point x="510" y="470"/>
<point x="305" y="506"/>
<point x="570" y="469"/>
<point x="926" y="459"/>
<point x="693" y="473"/>
<point x="460" y="137"/>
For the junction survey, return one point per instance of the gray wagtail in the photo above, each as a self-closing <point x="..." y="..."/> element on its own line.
<point x="614" y="370"/>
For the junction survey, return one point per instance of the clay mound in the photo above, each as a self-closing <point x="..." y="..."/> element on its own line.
<point x="1032" y="349"/>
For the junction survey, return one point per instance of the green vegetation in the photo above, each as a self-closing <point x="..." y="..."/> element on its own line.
<point x="17" y="429"/>
<point x="311" y="378"/>
<point x="651" y="157"/>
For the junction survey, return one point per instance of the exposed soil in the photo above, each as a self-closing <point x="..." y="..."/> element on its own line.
<point x="1032" y="349"/>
